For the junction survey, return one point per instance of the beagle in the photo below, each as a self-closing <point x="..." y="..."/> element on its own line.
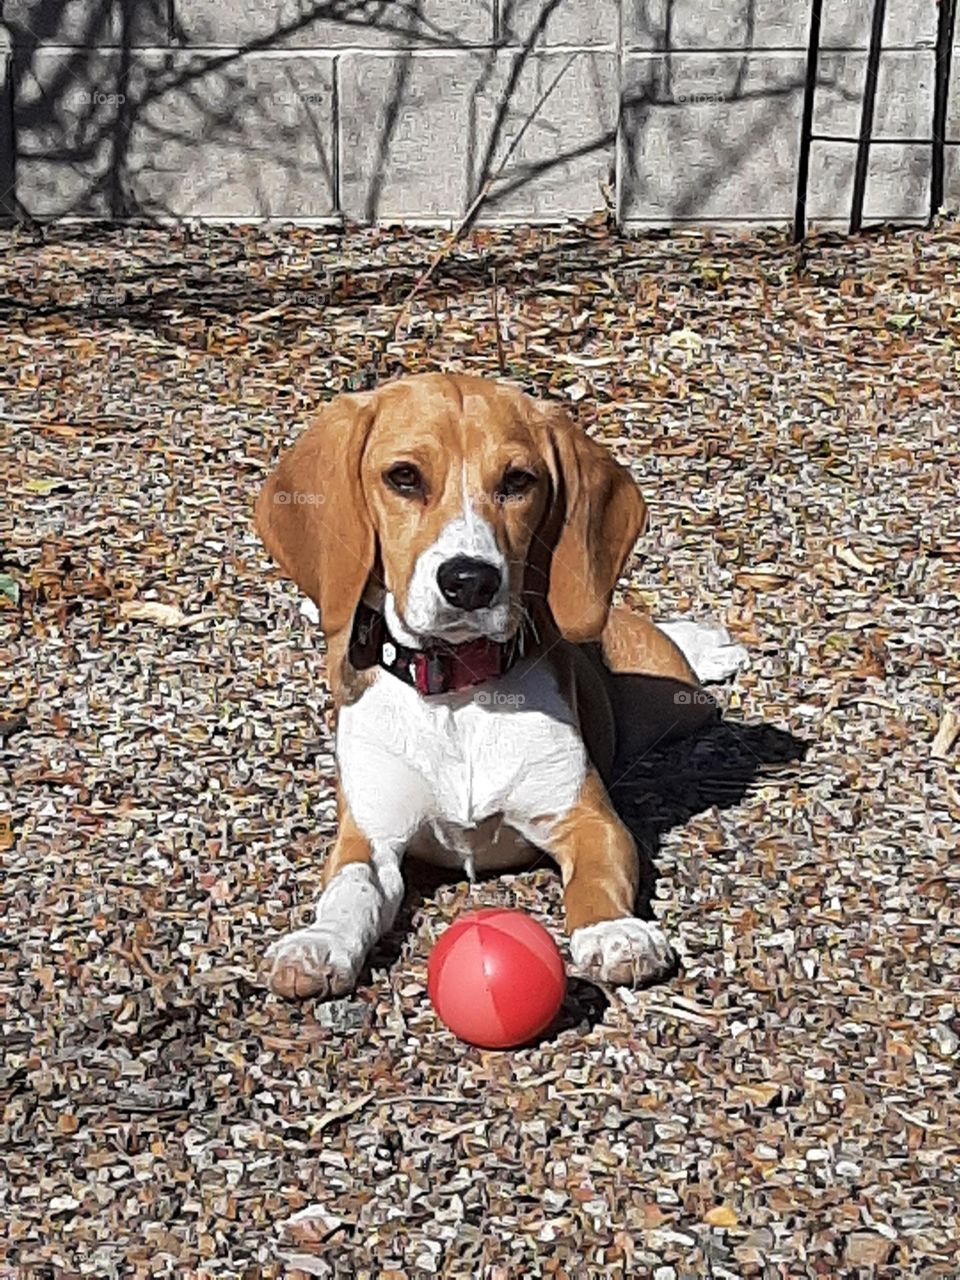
<point x="461" y="542"/>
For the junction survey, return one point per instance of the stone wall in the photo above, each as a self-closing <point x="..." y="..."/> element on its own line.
<point x="669" y="111"/>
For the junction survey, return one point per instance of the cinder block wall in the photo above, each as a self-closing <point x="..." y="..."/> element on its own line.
<point x="669" y="111"/>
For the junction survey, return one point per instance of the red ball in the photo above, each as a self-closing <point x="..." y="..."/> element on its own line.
<point x="496" y="978"/>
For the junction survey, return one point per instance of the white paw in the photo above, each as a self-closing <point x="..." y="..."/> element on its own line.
<point x="708" y="648"/>
<point x="627" y="952"/>
<point x="311" y="962"/>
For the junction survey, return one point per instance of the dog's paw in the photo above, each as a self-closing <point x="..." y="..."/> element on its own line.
<point x="708" y="648"/>
<point x="311" y="962"/>
<point x="627" y="952"/>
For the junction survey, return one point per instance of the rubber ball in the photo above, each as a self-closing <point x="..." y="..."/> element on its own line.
<point x="496" y="978"/>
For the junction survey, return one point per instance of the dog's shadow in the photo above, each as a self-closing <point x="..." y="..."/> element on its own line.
<point x="714" y="768"/>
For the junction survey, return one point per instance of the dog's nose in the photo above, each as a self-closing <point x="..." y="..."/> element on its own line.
<point x="468" y="584"/>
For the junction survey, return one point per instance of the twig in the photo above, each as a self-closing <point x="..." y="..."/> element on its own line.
<point x="501" y="361"/>
<point x="921" y="1124"/>
<point x="342" y="1113"/>
<point x="136" y="959"/>
<point x="475" y="205"/>
<point x="683" y="1015"/>
<point x="445" y="1098"/>
<point x="946" y="735"/>
<point x="454" y="1130"/>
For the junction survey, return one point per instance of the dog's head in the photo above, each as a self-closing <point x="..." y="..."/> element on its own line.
<point x="468" y="502"/>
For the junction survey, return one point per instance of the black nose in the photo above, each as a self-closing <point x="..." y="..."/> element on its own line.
<point x="468" y="584"/>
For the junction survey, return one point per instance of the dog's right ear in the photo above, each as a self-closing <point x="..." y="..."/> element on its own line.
<point x="312" y="515"/>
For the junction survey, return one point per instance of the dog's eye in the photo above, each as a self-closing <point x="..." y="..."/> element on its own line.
<point x="516" y="482"/>
<point x="404" y="478"/>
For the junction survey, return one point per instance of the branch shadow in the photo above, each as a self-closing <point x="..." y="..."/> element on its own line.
<point x="109" y="116"/>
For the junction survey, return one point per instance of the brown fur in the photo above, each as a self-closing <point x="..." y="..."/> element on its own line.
<point x="333" y="524"/>
<point x="597" y="860"/>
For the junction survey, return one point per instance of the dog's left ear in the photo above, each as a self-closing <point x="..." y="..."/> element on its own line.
<point x="600" y="516"/>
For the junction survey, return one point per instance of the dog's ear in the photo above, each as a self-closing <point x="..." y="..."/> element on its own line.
<point x="599" y="516"/>
<point x="313" y="517"/>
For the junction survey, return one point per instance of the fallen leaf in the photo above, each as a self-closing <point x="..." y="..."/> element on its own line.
<point x="45" y="485"/>
<point x="685" y="340"/>
<point x="824" y="397"/>
<point x="341" y="1113"/>
<point x="762" y="581"/>
<point x="946" y="735"/>
<point x="164" y="615"/>
<point x="721" y="1216"/>
<point x="653" y="1216"/>
<point x="867" y="1249"/>
<point x="762" y="1094"/>
<point x="310" y="1227"/>
<point x="847" y="556"/>
<point x="60" y="1204"/>
<point x="9" y="589"/>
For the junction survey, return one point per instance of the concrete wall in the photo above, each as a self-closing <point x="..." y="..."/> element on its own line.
<point x="672" y="111"/>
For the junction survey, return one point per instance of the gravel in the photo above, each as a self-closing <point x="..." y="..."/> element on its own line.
<point x="787" y="1104"/>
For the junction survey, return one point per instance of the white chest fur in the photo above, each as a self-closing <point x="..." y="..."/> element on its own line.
<point x="440" y="766"/>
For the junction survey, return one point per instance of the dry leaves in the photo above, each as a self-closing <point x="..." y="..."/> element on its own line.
<point x="788" y="1103"/>
<point x="762" y="581"/>
<point x="164" y="615"/>
<point x="946" y="735"/>
<point x="721" y="1216"/>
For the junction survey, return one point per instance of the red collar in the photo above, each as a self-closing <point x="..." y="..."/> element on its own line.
<point x="441" y="668"/>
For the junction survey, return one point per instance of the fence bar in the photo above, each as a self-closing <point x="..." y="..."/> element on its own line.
<point x="866" y="119"/>
<point x="883" y="142"/>
<point x="806" y="127"/>
<point x="945" y="25"/>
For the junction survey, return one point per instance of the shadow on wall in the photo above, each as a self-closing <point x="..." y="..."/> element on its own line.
<point x="432" y="109"/>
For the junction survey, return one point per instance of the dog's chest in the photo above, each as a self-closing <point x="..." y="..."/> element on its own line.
<point x="448" y="763"/>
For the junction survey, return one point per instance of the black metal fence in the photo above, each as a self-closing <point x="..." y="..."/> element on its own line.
<point x="946" y="22"/>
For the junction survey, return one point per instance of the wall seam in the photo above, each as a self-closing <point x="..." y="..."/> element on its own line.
<point x="8" y="140"/>
<point x="336" y="148"/>
<point x="618" y="138"/>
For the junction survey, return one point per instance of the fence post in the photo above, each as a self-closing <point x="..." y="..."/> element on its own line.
<point x="944" y="55"/>
<point x="806" y="127"/>
<point x="866" y="118"/>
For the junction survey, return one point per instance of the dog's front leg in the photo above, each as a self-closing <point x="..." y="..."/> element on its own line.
<point x="362" y="892"/>
<point x="600" y="868"/>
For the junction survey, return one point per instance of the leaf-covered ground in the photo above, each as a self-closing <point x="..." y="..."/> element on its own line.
<point x="788" y="1104"/>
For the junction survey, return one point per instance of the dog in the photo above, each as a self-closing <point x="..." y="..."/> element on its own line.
<point x="461" y="542"/>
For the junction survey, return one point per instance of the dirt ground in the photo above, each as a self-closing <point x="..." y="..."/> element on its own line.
<point x="787" y="1105"/>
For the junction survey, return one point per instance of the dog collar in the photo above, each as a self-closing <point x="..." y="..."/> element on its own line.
<point x="441" y="668"/>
